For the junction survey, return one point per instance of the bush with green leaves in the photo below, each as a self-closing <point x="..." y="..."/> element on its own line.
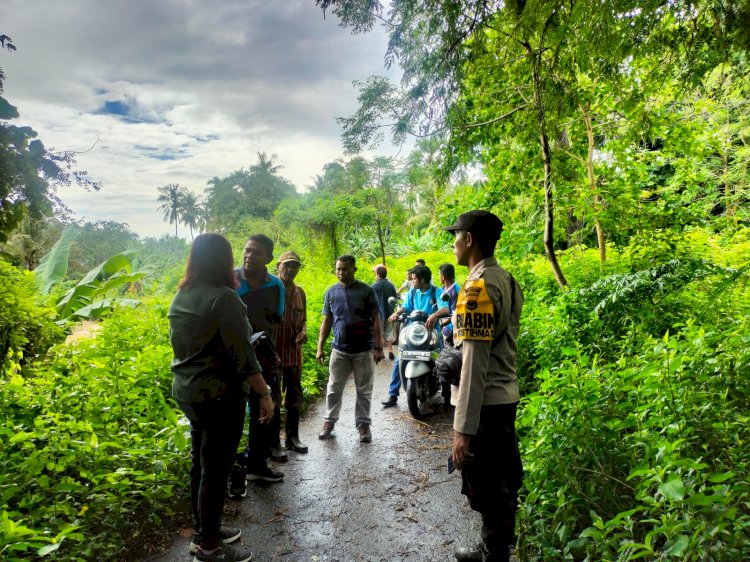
<point x="27" y="326"/>
<point x="646" y="457"/>
<point x="93" y="449"/>
<point x="634" y="426"/>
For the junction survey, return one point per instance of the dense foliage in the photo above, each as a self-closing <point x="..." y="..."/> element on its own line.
<point x="92" y="444"/>
<point x="634" y="425"/>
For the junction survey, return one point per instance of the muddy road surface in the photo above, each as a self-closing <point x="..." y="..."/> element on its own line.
<point x="391" y="499"/>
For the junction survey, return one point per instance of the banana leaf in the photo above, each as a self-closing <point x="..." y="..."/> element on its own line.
<point x="53" y="267"/>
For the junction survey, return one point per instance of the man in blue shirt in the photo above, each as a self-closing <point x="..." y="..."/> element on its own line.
<point x="351" y="309"/>
<point x="422" y="296"/>
<point x="263" y="295"/>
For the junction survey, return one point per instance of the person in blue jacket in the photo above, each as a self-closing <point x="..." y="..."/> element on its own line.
<point x="422" y="296"/>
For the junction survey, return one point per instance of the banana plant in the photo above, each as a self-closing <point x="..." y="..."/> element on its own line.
<point x="93" y="295"/>
<point x="53" y="267"/>
<point x="99" y="289"/>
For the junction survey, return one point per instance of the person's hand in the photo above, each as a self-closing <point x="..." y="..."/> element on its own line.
<point x="320" y="356"/>
<point x="378" y="355"/>
<point x="301" y="337"/>
<point x="393" y="317"/>
<point x="267" y="408"/>
<point x="461" y="448"/>
<point x="430" y="322"/>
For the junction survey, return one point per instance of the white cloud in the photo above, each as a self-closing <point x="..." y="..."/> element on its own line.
<point x="205" y="85"/>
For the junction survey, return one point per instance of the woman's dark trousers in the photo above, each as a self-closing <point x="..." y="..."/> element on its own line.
<point x="215" y="430"/>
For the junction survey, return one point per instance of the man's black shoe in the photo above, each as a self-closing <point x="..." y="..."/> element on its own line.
<point x="264" y="472"/>
<point x="390" y="401"/>
<point x="391" y="356"/>
<point x="278" y="453"/>
<point x="294" y="444"/>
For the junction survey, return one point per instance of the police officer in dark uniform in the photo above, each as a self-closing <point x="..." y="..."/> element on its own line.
<point x="485" y="445"/>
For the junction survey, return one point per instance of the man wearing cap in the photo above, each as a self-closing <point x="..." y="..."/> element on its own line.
<point x="385" y="290"/>
<point x="485" y="444"/>
<point x="292" y="334"/>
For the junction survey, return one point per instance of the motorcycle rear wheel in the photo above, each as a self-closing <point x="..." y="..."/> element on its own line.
<point x="412" y="400"/>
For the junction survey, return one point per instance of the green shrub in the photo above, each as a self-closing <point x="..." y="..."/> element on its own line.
<point x="634" y="424"/>
<point x="27" y="326"/>
<point x="93" y="450"/>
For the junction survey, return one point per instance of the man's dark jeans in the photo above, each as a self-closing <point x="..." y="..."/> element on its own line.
<point x="215" y="431"/>
<point x="262" y="437"/>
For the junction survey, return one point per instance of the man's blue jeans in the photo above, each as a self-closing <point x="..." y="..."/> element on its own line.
<point x="395" y="385"/>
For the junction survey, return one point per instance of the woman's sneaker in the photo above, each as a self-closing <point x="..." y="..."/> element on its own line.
<point x="226" y="534"/>
<point x="225" y="553"/>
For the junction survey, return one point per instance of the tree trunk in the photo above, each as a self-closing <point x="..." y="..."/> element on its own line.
<point x="380" y="239"/>
<point x="727" y="189"/>
<point x="593" y="187"/>
<point x="549" y="215"/>
<point x="549" y="211"/>
<point x="334" y="243"/>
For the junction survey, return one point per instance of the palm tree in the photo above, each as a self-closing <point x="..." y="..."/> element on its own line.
<point x="192" y="211"/>
<point x="170" y="197"/>
<point x="266" y="164"/>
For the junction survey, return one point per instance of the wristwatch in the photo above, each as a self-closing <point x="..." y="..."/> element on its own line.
<point x="266" y="393"/>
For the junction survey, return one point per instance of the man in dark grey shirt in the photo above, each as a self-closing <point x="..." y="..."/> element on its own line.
<point x="351" y="309"/>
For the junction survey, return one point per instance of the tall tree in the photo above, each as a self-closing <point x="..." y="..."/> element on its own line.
<point x="96" y="242"/>
<point x="29" y="173"/>
<point x="255" y="191"/>
<point x="445" y="45"/>
<point x="170" y="197"/>
<point x="192" y="212"/>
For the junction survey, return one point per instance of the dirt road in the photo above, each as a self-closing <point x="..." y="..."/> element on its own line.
<point x="391" y="499"/>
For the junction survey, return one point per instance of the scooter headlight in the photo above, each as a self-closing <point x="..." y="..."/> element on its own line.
<point x="418" y="334"/>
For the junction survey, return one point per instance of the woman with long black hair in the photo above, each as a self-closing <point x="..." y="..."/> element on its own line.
<point x="214" y="368"/>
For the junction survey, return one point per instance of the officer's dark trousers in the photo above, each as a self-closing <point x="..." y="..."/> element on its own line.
<point x="492" y="478"/>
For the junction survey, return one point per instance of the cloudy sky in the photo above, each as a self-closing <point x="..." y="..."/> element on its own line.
<point x="180" y="91"/>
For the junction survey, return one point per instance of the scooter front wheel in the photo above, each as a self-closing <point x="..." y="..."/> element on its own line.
<point x="412" y="399"/>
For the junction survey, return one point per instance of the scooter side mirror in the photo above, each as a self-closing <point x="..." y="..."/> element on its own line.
<point x="392" y="300"/>
<point x="445" y="297"/>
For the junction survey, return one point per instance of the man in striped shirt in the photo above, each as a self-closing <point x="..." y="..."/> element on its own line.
<point x="292" y="334"/>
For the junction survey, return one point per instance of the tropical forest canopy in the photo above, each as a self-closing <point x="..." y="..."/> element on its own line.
<point x="613" y="138"/>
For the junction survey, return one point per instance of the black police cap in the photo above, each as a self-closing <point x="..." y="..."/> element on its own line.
<point x="478" y="222"/>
